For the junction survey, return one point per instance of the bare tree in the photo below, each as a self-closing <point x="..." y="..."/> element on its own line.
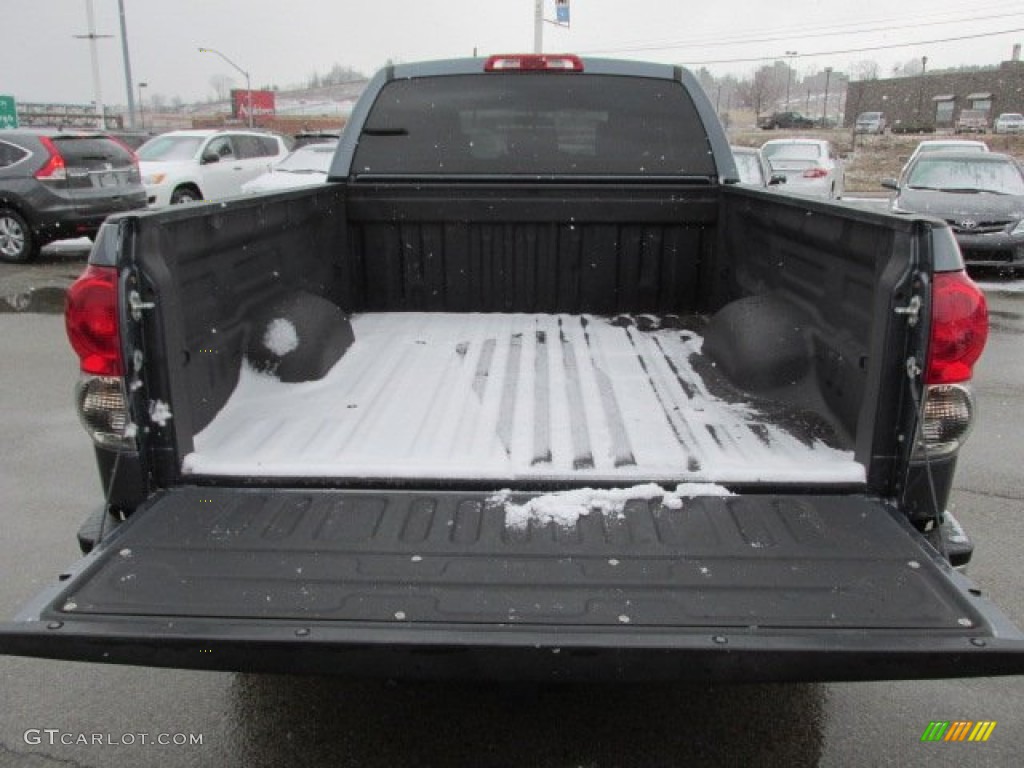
<point x="764" y="90"/>
<point x="866" y="69"/>
<point x="221" y="84"/>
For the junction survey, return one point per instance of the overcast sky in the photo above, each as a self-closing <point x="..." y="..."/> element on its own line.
<point x="284" y="41"/>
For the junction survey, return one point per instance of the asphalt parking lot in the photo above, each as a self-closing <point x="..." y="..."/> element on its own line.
<point x="49" y="485"/>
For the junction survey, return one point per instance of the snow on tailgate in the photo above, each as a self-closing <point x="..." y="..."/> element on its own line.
<point x="508" y="397"/>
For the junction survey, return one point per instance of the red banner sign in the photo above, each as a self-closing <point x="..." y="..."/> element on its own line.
<point x="258" y="102"/>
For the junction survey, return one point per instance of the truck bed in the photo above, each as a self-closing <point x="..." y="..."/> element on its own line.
<point x="517" y="397"/>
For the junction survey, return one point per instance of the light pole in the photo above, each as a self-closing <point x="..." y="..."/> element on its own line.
<point x="142" y="108"/>
<point x="92" y="37"/>
<point x="824" y="107"/>
<point x="248" y="85"/>
<point x="789" y="74"/>
<point x="127" y="64"/>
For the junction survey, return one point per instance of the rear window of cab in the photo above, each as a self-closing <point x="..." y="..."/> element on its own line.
<point x="527" y="124"/>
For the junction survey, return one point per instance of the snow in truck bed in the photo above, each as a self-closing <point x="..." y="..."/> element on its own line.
<point x="508" y="397"/>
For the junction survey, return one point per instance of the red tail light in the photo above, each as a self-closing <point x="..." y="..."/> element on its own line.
<point x="815" y="173"/>
<point x="90" y="314"/>
<point x="533" y="62"/>
<point x="959" y="328"/>
<point x="55" y="169"/>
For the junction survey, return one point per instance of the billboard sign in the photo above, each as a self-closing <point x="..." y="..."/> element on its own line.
<point x="262" y="103"/>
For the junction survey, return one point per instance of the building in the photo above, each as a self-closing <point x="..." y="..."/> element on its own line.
<point x="934" y="101"/>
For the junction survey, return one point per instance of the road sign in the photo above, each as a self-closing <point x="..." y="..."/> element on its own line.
<point x="8" y="112"/>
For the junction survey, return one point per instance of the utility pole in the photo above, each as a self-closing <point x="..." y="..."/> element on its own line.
<point x="538" y="26"/>
<point x="92" y="37"/>
<point x="789" y="74"/>
<point x="127" y="66"/>
<point x="824" y="107"/>
<point x="142" y="108"/>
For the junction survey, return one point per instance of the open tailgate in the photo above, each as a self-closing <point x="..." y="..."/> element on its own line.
<point x="784" y="587"/>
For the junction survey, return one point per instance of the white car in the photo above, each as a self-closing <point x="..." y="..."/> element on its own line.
<point x="809" y="166"/>
<point x="187" y="166"/>
<point x="306" y="166"/>
<point x="1009" y="122"/>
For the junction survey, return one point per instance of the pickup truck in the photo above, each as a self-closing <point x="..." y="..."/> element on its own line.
<point x="532" y="388"/>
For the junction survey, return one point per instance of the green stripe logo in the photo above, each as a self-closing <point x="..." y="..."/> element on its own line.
<point x="935" y="731"/>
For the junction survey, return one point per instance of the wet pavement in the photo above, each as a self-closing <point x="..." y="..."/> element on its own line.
<point x="48" y="485"/>
<point x="40" y="285"/>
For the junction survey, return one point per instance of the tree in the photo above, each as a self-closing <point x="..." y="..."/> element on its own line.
<point x="221" y="85"/>
<point x="763" y="91"/>
<point x="866" y="69"/>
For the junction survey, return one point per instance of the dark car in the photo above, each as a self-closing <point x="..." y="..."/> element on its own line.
<point x="314" y="137"/>
<point x="785" y="120"/>
<point x="58" y="184"/>
<point x="979" y="194"/>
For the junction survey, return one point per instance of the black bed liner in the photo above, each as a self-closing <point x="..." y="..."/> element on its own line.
<point x="750" y="587"/>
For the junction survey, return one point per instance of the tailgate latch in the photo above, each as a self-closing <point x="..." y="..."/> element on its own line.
<point x="136" y="304"/>
<point x="912" y="311"/>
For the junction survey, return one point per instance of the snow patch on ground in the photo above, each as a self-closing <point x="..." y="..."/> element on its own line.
<point x="567" y="507"/>
<point x="281" y="337"/>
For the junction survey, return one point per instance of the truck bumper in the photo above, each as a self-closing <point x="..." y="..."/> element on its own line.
<point x="437" y="585"/>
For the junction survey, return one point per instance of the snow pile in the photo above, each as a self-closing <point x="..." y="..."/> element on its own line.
<point x="566" y="507"/>
<point x="281" y="337"/>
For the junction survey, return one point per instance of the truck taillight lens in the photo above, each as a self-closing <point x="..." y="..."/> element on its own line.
<point x="90" y="314"/>
<point x="945" y="421"/>
<point x="959" y="330"/>
<point x="104" y="413"/>
<point x="54" y="169"/>
<point x="815" y="173"/>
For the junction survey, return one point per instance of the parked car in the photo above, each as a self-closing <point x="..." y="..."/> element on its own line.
<point x="753" y="168"/>
<point x="979" y="194"/>
<point x="948" y="145"/>
<point x="132" y="139"/>
<point x="58" y="184"/>
<point x="785" y="120"/>
<point x="971" y="121"/>
<point x="314" y="137"/>
<point x="1009" y="122"/>
<point x="186" y="166"/>
<point x="911" y="126"/>
<point x="941" y="145"/>
<point x="808" y="166"/>
<point x="305" y="166"/>
<point x="870" y="122"/>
